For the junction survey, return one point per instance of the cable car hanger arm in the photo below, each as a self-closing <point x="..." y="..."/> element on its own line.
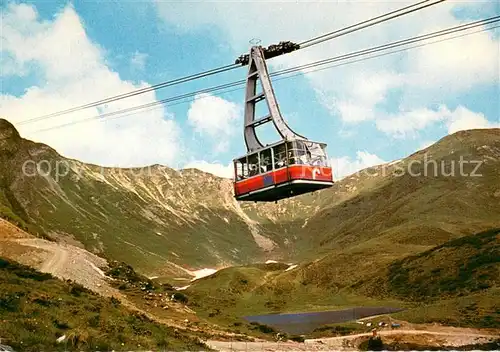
<point x="273" y="50"/>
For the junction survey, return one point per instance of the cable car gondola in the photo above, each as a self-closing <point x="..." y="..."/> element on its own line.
<point x="292" y="166"/>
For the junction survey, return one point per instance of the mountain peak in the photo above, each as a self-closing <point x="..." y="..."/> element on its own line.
<point x="7" y="127"/>
<point x="9" y="137"/>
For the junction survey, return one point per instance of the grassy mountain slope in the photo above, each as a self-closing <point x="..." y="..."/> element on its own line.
<point x="403" y="215"/>
<point x="37" y="309"/>
<point x="454" y="283"/>
<point x="163" y="221"/>
<point x="235" y="292"/>
<point x="455" y="268"/>
<point x="394" y="216"/>
<point x="457" y="282"/>
<point x="160" y="220"/>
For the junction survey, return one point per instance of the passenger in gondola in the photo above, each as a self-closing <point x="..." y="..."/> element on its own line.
<point x="254" y="170"/>
<point x="291" y="158"/>
<point x="304" y="158"/>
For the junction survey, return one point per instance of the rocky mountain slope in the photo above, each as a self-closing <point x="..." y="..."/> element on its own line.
<point x="407" y="212"/>
<point x="161" y="221"/>
<point x="166" y="222"/>
<point x="435" y="200"/>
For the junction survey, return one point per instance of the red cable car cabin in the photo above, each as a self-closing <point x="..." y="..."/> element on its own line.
<point x="282" y="170"/>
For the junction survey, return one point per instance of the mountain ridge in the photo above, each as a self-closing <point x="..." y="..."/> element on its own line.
<point x="172" y="221"/>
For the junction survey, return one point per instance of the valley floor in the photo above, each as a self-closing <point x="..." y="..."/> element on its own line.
<point x="67" y="261"/>
<point x="425" y="336"/>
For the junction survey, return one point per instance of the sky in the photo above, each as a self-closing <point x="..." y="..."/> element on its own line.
<point x="56" y="55"/>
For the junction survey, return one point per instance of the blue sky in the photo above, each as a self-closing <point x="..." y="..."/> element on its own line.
<point x="57" y="55"/>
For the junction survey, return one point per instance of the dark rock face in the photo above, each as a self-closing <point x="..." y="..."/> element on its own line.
<point x="9" y="138"/>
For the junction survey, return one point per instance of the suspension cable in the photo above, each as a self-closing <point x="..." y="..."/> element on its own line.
<point x="403" y="42"/>
<point x="134" y="110"/>
<point x="305" y="44"/>
<point x="366" y="24"/>
<point x="135" y="92"/>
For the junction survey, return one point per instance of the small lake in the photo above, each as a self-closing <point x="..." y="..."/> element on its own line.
<point x="304" y="323"/>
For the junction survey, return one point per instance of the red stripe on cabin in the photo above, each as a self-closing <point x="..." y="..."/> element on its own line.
<point x="293" y="172"/>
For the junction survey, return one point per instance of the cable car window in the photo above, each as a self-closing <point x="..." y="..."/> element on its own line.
<point x="303" y="155"/>
<point x="242" y="172"/>
<point x="253" y="165"/>
<point x="317" y="154"/>
<point x="265" y="161"/>
<point x="241" y="169"/>
<point x="279" y="152"/>
<point x="297" y="153"/>
<point x="291" y="151"/>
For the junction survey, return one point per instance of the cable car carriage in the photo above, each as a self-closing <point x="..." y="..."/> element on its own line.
<point x="287" y="168"/>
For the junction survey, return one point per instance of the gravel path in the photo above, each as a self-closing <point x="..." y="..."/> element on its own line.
<point x="452" y="337"/>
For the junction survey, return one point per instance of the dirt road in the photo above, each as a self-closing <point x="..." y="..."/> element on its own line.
<point x="453" y="337"/>
<point x="61" y="260"/>
<point x="57" y="262"/>
<point x="66" y="261"/>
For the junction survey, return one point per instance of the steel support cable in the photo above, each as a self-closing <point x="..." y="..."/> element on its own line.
<point x="366" y="24"/>
<point x="135" y="92"/>
<point x="165" y="102"/>
<point x="148" y="105"/>
<point x="403" y="42"/>
<point x="289" y="76"/>
<point x="228" y="67"/>
<point x="343" y="63"/>
<point x="378" y="55"/>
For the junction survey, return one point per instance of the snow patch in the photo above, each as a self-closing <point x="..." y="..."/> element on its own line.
<point x="271" y="262"/>
<point x="198" y="274"/>
<point x="291" y="267"/>
<point x="182" y="288"/>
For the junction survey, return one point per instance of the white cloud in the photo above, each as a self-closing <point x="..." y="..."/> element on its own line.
<point x="456" y="65"/>
<point x="354" y="92"/>
<point x="75" y="73"/>
<point x="464" y="119"/>
<point x="345" y="166"/>
<point x="215" y="118"/>
<point x="61" y="47"/>
<point x="138" y="61"/>
<point x="362" y="91"/>
<point x="410" y="122"/>
<point x="352" y="112"/>
<point x="217" y="169"/>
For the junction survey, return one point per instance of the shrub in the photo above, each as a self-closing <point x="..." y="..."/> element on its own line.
<point x="115" y="301"/>
<point x="297" y="338"/>
<point x="180" y="297"/>
<point x="77" y="289"/>
<point x="10" y="302"/>
<point x="263" y="328"/>
<point x="375" y="344"/>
